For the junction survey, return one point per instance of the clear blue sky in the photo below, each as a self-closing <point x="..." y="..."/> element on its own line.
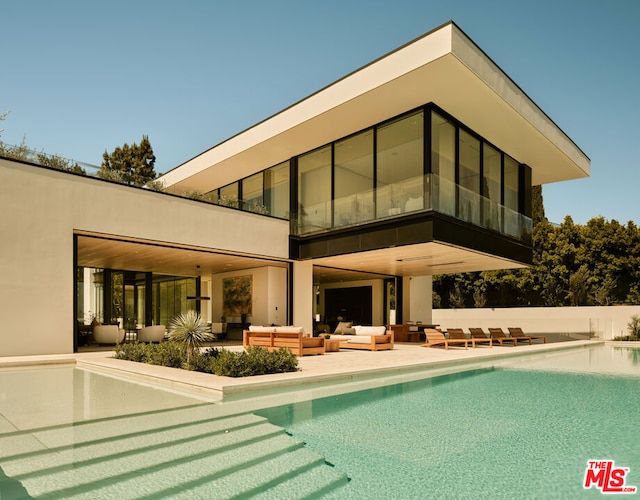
<point x="82" y="77"/>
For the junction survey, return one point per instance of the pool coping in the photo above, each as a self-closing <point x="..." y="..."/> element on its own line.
<point x="343" y="371"/>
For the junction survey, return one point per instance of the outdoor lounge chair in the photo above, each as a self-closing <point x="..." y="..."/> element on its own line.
<point x="458" y="334"/>
<point x="500" y="336"/>
<point x="478" y="333"/>
<point x="517" y="333"/>
<point x="436" y="338"/>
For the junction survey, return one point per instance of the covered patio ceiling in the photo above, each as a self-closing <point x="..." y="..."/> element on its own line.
<point x="412" y="260"/>
<point x="126" y="254"/>
<point x="113" y="252"/>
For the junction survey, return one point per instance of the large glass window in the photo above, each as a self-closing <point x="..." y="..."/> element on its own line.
<point x="229" y="195"/>
<point x="400" y="166"/>
<point x="443" y="164"/>
<point x="170" y="298"/>
<point x="511" y="216"/>
<point x="276" y="190"/>
<point x="314" y="190"/>
<point x="379" y="172"/>
<point x="491" y="187"/>
<point x="353" y="179"/>
<point x="469" y="177"/>
<point x="252" y="194"/>
<point x="511" y="183"/>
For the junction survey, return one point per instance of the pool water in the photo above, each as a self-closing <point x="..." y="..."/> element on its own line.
<point x="522" y="428"/>
<point x="69" y="433"/>
<point x="494" y="433"/>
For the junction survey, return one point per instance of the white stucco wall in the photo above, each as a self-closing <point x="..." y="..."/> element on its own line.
<point x="41" y="208"/>
<point x="601" y="322"/>
<point x="418" y="297"/>
<point x="303" y="296"/>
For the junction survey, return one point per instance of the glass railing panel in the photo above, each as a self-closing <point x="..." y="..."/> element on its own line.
<point x="443" y="194"/>
<point x="400" y="197"/>
<point x="492" y="215"/>
<point x="353" y="209"/>
<point x="422" y="193"/>
<point x="314" y="218"/>
<point x="469" y="206"/>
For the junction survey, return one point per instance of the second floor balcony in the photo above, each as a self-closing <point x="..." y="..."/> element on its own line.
<point x="417" y="194"/>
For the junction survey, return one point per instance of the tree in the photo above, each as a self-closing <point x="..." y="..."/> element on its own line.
<point x="579" y="286"/>
<point x="131" y="165"/>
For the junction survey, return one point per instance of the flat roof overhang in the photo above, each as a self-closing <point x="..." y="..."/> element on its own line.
<point x="444" y="67"/>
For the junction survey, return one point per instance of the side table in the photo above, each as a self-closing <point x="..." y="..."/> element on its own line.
<point x="331" y="345"/>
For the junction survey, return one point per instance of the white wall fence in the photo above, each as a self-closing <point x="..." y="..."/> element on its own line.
<point x="569" y="322"/>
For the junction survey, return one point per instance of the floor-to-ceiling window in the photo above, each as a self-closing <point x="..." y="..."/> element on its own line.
<point x="353" y="179"/>
<point x="314" y="190"/>
<point x="170" y="297"/>
<point x="229" y="195"/>
<point x="276" y="190"/>
<point x="491" y="188"/>
<point x="511" y="196"/>
<point x="400" y="165"/>
<point x="469" y="177"/>
<point x="253" y="194"/>
<point x="380" y="172"/>
<point x="123" y="299"/>
<point x="443" y="164"/>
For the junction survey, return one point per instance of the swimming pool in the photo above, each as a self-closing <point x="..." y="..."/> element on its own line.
<point x="525" y="429"/>
<point x="522" y="428"/>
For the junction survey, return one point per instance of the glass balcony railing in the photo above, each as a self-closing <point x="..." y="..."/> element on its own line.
<point x="423" y="193"/>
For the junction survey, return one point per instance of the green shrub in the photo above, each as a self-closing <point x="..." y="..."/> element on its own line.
<point x="623" y="338"/>
<point x="203" y="361"/>
<point x="171" y="354"/>
<point x="132" y="352"/>
<point x="231" y="364"/>
<point x="253" y="361"/>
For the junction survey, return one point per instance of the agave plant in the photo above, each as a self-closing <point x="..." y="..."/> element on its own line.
<point x="190" y="330"/>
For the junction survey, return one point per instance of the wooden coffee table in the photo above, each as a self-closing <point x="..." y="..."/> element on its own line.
<point x="331" y="345"/>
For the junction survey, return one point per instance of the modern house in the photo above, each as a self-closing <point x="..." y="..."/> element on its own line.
<point x="343" y="204"/>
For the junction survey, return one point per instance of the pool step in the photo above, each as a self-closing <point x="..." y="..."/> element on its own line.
<point x="186" y="453"/>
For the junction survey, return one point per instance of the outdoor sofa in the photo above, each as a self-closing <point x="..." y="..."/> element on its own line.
<point x="275" y="337"/>
<point x="371" y="338"/>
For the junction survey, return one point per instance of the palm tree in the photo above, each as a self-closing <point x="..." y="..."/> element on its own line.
<point x="190" y="330"/>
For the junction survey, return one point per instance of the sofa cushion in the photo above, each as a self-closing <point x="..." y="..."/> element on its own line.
<point x="289" y="329"/>
<point x="360" y="339"/>
<point x="341" y="337"/>
<point x="370" y="330"/>
<point x="261" y="329"/>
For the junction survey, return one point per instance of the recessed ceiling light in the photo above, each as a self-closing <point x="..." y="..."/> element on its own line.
<point x="411" y="259"/>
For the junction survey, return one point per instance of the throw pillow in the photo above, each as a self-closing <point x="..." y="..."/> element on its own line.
<point x="341" y="326"/>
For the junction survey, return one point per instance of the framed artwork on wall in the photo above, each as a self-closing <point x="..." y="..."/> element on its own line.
<point x="237" y="295"/>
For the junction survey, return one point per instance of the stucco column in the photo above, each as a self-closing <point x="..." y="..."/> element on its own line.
<point x="417" y="299"/>
<point x="303" y="295"/>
